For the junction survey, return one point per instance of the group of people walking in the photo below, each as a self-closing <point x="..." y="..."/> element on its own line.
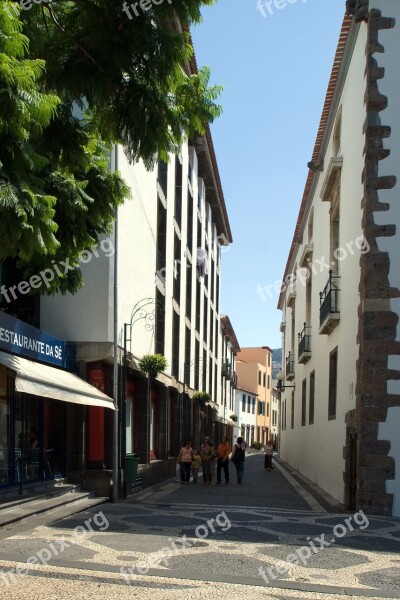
<point x="212" y="459"/>
<point x="217" y="460"/>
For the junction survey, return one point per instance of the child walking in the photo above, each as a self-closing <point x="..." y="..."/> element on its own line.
<point x="195" y="465"/>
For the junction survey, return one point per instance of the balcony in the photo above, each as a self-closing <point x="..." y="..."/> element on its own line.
<point x="329" y="314"/>
<point x="304" y="345"/>
<point x="226" y="368"/>
<point x="234" y="381"/>
<point x="290" y="367"/>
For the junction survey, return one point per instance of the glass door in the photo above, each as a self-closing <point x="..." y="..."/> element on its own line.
<point x="54" y="439"/>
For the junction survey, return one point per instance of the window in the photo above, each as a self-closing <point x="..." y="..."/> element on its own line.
<point x="248" y="403"/>
<point x="303" y="402"/>
<point x="188" y="348"/>
<point x="334" y="232"/>
<point x="282" y="416"/>
<point x="263" y="379"/>
<point x="204" y="370"/>
<point x="311" y="399"/>
<point x="269" y="382"/>
<point x="308" y="305"/>
<point x="196" y="364"/>
<point x="333" y="358"/>
<point x="205" y="315"/>
<point x="243" y="402"/>
<point x="210" y="376"/>
<point x="212" y="287"/>
<point x="189" y="224"/>
<point x="161" y="239"/>
<point x="189" y="290"/>
<point x="311" y="226"/>
<point x="178" y="192"/>
<point x="198" y="310"/>
<point x="259" y="377"/>
<point x="267" y="409"/>
<point x="216" y="330"/>
<point x="177" y="269"/>
<point x="292" y="415"/>
<point x="175" y="345"/>
<point x="253" y="405"/>
<point x="162" y="176"/>
<point x="160" y="322"/>
<point x="269" y="359"/>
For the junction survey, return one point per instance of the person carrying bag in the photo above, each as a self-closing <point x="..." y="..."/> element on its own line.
<point x="238" y="456"/>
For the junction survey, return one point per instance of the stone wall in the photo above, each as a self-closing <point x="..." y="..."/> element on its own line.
<point x="377" y="322"/>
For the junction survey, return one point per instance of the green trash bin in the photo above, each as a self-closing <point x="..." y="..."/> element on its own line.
<point x="131" y="467"/>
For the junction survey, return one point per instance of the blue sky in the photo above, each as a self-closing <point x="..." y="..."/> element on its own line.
<point x="275" y="72"/>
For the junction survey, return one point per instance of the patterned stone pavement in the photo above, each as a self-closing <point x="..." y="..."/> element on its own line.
<point x="200" y="544"/>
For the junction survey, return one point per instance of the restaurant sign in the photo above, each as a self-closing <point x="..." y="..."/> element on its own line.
<point x="23" y="339"/>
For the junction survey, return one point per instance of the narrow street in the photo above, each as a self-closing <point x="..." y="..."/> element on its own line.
<point x="199" y="541"/>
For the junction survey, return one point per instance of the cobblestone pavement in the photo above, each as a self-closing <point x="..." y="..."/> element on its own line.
<point x="206" y="542"/>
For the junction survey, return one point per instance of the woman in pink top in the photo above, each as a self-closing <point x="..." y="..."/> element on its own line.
<point x="185" y="461"/>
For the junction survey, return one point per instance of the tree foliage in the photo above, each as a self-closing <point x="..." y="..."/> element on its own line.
<point x="77" y="77"/>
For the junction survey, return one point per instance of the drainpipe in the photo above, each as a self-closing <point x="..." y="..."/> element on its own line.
<point x="115" y="390"/>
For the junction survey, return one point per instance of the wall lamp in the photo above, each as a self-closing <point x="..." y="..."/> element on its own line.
<point x="280" y="385"/>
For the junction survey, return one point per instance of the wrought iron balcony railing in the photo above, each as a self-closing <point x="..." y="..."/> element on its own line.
<point x="226" y="368"/>
<point x="304" y="345"/>
<point x="290" y="366"/>
<point x="329" y="313"/>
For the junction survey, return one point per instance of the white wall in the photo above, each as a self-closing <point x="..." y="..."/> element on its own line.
<point x="88" y="315"/>
<point x="317" y="450"/>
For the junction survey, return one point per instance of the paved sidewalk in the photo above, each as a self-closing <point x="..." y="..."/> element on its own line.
<point x="197" y="541"/>
<point x="268" y="489"/>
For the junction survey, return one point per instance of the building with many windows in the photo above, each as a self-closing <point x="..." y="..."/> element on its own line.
<point x="254" y="369"/>
<point x="245" y="408"/>
<point x="341" y="416"/>
<point x="226" y="410"/>
<point x="166" y="252"/>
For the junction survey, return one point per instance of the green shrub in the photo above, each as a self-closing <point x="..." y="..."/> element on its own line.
<point x="153" y="364"/>
<point x="201" y="398"/>
<point x="257" y="445"/>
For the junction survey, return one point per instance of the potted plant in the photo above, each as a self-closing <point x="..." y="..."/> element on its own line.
<point x="233" y="418"/>
<point x="201" y="398"/>
<point x="153" y="364"/>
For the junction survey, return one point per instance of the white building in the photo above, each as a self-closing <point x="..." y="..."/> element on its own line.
<point x="246" y="409"/>
<point x="230" y="348"/>
<point x="340" y="301"/>
<point x="169" y="271"/>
